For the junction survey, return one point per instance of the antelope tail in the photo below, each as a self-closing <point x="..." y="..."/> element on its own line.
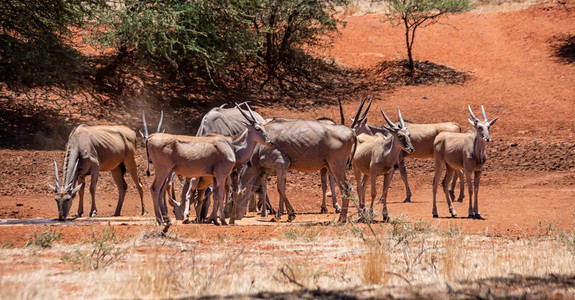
<point x="148" y="156"/>
<point x="350" y="159"/>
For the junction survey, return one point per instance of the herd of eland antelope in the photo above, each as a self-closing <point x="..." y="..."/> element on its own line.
<point x="235" y="150"/>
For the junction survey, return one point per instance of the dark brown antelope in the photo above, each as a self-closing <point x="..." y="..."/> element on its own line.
<point x="462" y="151"/>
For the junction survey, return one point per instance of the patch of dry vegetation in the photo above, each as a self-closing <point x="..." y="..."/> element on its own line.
<point x="399" y="259"/>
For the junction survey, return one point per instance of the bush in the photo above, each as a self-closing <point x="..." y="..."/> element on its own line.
<point x="44" y="240"/>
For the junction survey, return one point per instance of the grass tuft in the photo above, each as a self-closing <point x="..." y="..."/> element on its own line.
<point x="44" y="240"/>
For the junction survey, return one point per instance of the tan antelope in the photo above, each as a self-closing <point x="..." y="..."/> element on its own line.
<point x="462" y="151"/>
<point x="305" y="146"/>
<point x="213" y="155"/>
<point x="90" y="150"/>
<point x="266" y="164"/>
<point x="378" y="154"/>
<point x="422" y="138"/>
<point x="219" y="120"/>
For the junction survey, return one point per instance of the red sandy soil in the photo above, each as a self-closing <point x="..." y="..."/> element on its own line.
<point x="514" y="72"/>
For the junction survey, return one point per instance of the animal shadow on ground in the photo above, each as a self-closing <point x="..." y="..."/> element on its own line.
<point x="564" y="48"/>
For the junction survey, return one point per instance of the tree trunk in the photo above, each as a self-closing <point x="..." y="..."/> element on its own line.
<point x="342" y="118"/>
<point x="111" y="68"/>
<point x="409" y="44"/>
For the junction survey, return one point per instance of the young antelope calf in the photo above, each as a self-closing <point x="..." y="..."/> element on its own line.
<point x="462" y="151"/>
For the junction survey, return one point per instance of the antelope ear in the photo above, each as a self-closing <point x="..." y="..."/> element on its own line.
<point x="471" y="122"/>
<point x="388" y="129"/>
<point x="53" y="188"/>
<point x="493" y="121"/>
<point x="76" y="189"/>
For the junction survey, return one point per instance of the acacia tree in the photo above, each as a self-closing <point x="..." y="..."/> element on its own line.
<point x="286" y="26"/>
<point x="216" y="36"/>
<point x="34" y="39"/>
<point x="186" y="36"/>
<point x="414" y="14"/>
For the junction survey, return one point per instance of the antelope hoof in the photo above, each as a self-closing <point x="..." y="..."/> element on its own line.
<point x="408" y="199"/>
<point x="323" y="210"/>
<point x="342" y="220"/>
<point x="338" y="209"/>
<point x="386" y="218"/>
<point x="291" y="217"/>
<point x="93" y="214"/>
<point x="186" y="221"/>
<point x="215" y="221"/>
<point x="144" y="212"/>
<point x="381" y="200"/>
<point x="275" y="219"/>
<point x="454" y="215"/>
<point x="436" y="216"/>
<point x="116" y="215"/>
<point x="165" y="230"/>
<point x="478" y="217"/>
<point x="224" y="222"/>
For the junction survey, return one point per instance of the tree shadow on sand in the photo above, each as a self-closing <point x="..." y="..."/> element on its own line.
<point x="25" y="126"/>
<point x="396" y="72"/>
<point x="514" y="286"/>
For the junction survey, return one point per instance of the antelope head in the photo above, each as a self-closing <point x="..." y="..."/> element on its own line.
<point x="400" y="132"/>
<point x="482" y="127"/>
<point x="255" y="128"/>
<point x="64" y="196"/>
<point x="359" y="124"/>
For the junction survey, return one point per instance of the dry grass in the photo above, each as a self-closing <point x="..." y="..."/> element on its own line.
<point x="375" y="264"/>
<point x="408" y="259"/>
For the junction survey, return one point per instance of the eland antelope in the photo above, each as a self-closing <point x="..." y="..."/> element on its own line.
<point x="90" y="150"/>
<point x="219" y="120"/>
<point x="305" y="146"/>
<point x="422" y="138"/>
<point x="378" y="154"/>
<point x="213" y="155"/>
<point x="462" y="151"/>
<point x="267" y="162"/>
